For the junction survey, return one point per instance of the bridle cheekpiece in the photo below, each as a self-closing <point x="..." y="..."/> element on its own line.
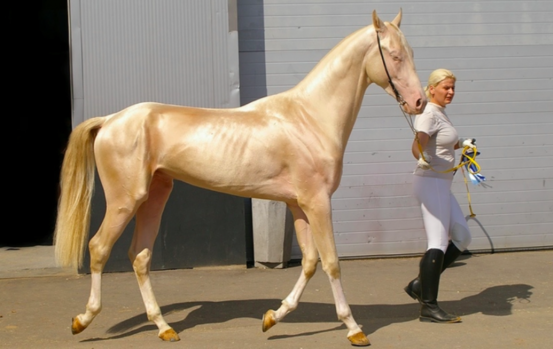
<point x="399" y="98"/>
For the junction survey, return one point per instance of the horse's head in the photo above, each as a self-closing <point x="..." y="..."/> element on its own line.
<point x="395" y="55"/>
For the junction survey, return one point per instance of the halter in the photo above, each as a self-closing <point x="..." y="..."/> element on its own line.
<point x="469" y="159"/>
<point x="399" y="98"/>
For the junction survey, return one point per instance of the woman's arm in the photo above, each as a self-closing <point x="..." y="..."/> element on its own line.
<point x="423" y="140"/>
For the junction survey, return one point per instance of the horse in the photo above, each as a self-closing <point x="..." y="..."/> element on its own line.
<point x="287" y="147"/>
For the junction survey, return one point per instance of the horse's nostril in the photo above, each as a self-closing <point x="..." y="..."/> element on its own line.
<point x="419" y="102"/>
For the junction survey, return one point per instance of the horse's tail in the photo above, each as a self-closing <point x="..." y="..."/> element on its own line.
<point x="77" y="186"/>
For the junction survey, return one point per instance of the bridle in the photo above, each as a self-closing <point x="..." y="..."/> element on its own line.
<point x="399" y="97"/>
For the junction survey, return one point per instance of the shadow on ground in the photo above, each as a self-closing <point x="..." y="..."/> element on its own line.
<point x="493" y="301"/>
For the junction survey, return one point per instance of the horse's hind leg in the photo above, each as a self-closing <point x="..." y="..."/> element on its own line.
<point x="119" y="210"/>
<point x="309" y="266"/>
<point x="148" y="219"/>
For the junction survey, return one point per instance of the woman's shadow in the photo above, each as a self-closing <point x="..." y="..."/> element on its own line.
<point x="493" y="301"/>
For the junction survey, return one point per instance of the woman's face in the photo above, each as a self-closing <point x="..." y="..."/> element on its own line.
<point x="443" y="93"/>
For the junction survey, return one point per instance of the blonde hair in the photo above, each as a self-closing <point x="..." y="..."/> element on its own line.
<point x="436" y="77"/>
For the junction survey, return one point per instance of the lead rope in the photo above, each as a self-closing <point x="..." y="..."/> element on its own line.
<point x="472" y="215"/>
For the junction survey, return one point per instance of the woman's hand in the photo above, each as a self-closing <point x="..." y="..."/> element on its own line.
<point x="466" y="142"/>
<point x="424" y="162"/>
<point x="421" y="139"/>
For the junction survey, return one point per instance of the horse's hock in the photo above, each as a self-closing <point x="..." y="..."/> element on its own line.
<point x="273" y="229"/>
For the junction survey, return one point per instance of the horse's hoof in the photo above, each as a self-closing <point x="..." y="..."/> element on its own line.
<point x="169" y="336"/>
<point x="359" y="340"/>
<point x="76" y="326"/>
<point x="268" y="320"/>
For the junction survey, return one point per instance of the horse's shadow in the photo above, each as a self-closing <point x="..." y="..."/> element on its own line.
<point x="494" y="301"/>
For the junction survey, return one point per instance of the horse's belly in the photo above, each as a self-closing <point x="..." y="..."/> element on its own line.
<point x="233" y="171"/>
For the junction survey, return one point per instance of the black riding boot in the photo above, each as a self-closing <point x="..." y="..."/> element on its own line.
<point x="431" y="268"/>
<point x="413" y="289"/>
<point x="451" y="255"/>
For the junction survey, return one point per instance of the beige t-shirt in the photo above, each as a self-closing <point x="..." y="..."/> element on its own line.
<point x="443" y="138"/>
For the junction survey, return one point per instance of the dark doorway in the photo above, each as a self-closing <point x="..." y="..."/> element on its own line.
<point x="37" y="108"/>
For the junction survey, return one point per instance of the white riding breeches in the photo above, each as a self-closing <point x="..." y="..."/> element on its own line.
<point x="441" y="213"/>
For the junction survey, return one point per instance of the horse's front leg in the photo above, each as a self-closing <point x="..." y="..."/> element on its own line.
<point x="309" y="266"/>
<point x="319" y="213"/>
<point x="148" y="220"/>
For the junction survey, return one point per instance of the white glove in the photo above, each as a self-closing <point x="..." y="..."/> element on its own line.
<point x="467" y="142"/>
<point x="424" y="164"/>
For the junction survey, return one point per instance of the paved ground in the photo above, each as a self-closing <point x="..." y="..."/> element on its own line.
<point x="505" y="300"/>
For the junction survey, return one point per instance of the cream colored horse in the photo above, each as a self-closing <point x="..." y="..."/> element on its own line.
<point x="286" y="147"/>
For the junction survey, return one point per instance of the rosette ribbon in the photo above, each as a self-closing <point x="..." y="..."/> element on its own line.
<point x="472" y="167"/>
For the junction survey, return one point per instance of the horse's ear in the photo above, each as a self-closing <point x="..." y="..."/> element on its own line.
<point x="397" y="20"/>
<point x="377" y="23"/>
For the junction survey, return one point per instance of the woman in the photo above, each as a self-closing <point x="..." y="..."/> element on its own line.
<point x="446" y="229"/>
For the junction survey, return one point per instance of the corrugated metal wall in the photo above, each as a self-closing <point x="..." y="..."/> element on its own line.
<point x="502" y="54"/>
<point x="121" y="55"/>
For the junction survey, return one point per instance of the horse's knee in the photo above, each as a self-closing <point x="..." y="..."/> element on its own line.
<point x="309" y="270"/>
<point x="331" y="267"/>
<point x="309" y="266"/>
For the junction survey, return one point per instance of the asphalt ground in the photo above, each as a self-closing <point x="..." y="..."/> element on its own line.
<point x="504" y="299"/>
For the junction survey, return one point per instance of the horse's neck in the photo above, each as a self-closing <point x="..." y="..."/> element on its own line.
<point x="334" y="89"/>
